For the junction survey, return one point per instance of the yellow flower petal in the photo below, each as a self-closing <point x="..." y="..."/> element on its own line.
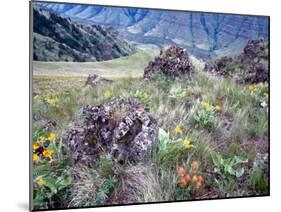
<point x="205" y="104"/>
<point x="218" y="108"/>
<point x="145" y="94"/>
<point x="209" y="108"/>
<point x="186" y="144"/>
<point x="35" y="146"/>
<point x="178" y="129"/>
<point x="251" y="88"/>
<point x="42" y="138"/>
<point x="40" y="182"/>
<point x="48" y="153"/>
<point x="107" y="93"/>
<point x="52" y="137"/>
<point x="35" y="157"/>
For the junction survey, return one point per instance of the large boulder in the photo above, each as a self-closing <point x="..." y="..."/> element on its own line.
<point x="120" y="128"/>
<point x="172" y="61"/>
<point x="251" y="66"/>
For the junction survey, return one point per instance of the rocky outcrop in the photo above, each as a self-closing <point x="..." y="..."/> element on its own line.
<point x="120" y="128"/>
<point x="251" y="66"/>
<point x="172" y="61"/>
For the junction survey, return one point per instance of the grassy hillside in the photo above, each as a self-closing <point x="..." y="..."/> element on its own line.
<point x="57" y="38"/>
<point x="50" y="77"/>
<point x="211" y="128"/>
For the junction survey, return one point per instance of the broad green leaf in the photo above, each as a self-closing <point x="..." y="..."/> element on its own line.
<point x="239" y="172"/>
<point x="240" y="159"/>
<point x="163" y="136"/>
<point x="51" y="184"/>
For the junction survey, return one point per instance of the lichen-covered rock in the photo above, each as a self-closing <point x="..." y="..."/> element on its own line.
<point x="219" y="66"/>
<point x="256" y="60"/>
<point x="94" y="79"/>
<point x="255" y="50"/>
<point x="172" y="61"/>
<point x="251" y="66"/>
<point x="120" y="128"/>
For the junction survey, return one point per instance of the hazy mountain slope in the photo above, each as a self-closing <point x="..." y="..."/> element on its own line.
<point x="60" y="39"/>
<point x="204" y="34"/>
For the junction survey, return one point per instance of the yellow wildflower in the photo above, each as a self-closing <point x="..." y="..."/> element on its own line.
<point x="251" y="88"/>
<point x="52" y="137"/>
<point x="145" y="94"/>
<point x="186" y="144"/>
<point x="35" y="157"/>
<point x="40" y="182"/>
<point x="205" y="104"/>
<point x="42" y="138"/>
<point x="107" y="93"/>
<point x="52" y="102"/>
<point x="48" y="153"/>
<point x="218" y="108"/>
<point x="35" y="146"/>
<point x="178" y="129"/>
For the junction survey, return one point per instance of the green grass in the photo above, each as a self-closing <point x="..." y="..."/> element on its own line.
<point x="172" y="102"/>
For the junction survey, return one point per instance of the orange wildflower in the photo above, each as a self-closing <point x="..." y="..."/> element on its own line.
<point x="181" y="171"/>
<point x="195" y="164"/>
<point x="200" y="179"/>
<point x="195" y="179"/>
<point x="183" y="181"/>
<point x="194" y="172"/>
<point x="188" y="178"/>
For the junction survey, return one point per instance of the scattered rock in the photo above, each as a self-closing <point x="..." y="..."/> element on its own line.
<point x="120" y="128"/>
<point x="49" y="126"/>
<point x="219" y="66"/>
<point x="172" y="61"/>
<point x="251" y="66"/>
<point x="94" y="79"/>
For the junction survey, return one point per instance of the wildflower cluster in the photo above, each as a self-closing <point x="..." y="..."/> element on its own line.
<point x="48" y="156"/>
<point x="191" y="179"/>
<point x="209" y="107"/>
<point x="41" y="147"/>
<point x="52" y="102"/>
<point x="205" y="116"/>
<point x="186" y="142"/>
<point x="260" y="92"/>
<point x="141" y="95"/>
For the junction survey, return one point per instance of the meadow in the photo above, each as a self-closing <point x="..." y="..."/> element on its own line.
<point x="212" y="141"/>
